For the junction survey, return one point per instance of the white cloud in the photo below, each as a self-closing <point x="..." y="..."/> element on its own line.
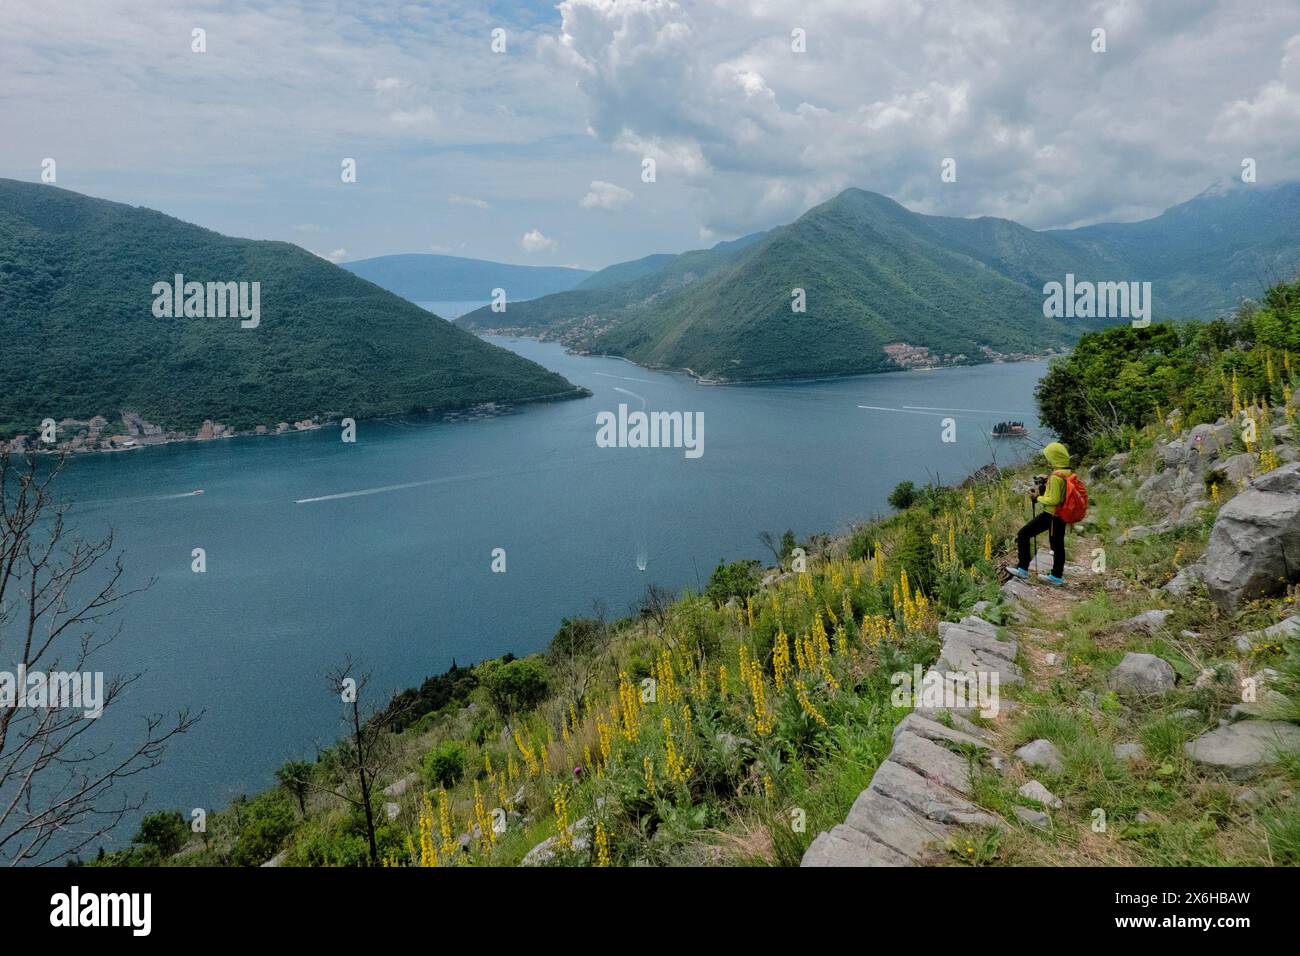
<point x="886" y="90"/>
<point x="745" y="132"/>
<point x="335" y="255"/>
<point x="603" y="195"/>
<point x="1272" y="115"/>
<point x="468" y="201"/>
<point x="533" y="242"/>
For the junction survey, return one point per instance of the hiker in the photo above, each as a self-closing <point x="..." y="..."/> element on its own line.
<point x="1064" y="501"/>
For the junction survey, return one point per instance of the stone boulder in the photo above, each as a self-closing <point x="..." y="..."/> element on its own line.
<point x="1148" y="621"/>
<point x="1141" y="674"/>
<point x="1042" y="753"/>
<point x="399" y="787"/>
<point x="1273" y="634"/>
<point x="1182" y="583"/>
<point x="1239" y="468"/>
<point x="1254" y="547"/>
<point x="1211" y="440"/>
<point x="1129" y="753"/>
<point x="546" y="851"/>
<point x="1035" y="791"/>
<point x="1033" y="818"/>
<point x="1240" y="749"/>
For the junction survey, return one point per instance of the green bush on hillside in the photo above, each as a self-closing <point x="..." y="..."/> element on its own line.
<point x="1121" y="378"/>
<point x="444" y="765"/>
<point x="514" y="685"/>
<point x="739" y="580"/>
<point x="165" y="831"/>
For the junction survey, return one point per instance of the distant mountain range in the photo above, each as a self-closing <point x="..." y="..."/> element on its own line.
<point x="82" y="334"/>
<point x="887" y="288"/>
<point x="432" y="278"/>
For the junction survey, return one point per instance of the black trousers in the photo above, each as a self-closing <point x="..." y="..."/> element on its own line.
<point x="1055" y="529"/>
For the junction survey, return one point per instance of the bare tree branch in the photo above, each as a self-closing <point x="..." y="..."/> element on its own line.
<point x="56" y="595"/>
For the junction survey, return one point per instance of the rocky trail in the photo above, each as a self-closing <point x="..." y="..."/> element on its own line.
<point x="922" y="793"/>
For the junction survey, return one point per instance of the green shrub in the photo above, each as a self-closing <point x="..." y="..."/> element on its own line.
<point x="445" y="765"/>
<point x="165" y="831"/>
<point x="515" y="685"/>
<point x="739" y="580"/>
<point x="266" y="821"/>
<point x="903" y="496"/>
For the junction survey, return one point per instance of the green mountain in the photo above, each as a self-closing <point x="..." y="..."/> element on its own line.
<point x="876" y="274"/>
<point x="77" y="302"/>
<point x="1205" y="255"/>
<point x="430" y="278"/>
<point x="626" y="271"/>
<point x="608" y="296"/>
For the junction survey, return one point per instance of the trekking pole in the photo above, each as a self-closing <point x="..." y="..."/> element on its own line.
<point x="1034" y="505"/>
<point x="1033" y="509"/>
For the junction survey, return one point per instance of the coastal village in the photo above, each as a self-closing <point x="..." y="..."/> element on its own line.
<point x="130" y="432"/>
<point x="907" y="356"/>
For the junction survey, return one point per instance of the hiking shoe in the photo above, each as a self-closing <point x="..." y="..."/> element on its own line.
<point x="1053" y="580"/>
<point x="1018" y="573"/>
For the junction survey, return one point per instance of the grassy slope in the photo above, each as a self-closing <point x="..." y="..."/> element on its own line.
<point x="1161" y="810"/>
<point x="81" y="339"/>
<point x="736" y="805"/>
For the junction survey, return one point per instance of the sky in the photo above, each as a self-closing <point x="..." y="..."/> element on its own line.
<point x="752" y="110"/>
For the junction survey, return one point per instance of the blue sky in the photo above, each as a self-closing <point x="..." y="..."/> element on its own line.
<point x="534" y="155"/>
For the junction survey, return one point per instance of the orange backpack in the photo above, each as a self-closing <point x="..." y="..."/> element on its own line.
<point x="1075" y="503"/>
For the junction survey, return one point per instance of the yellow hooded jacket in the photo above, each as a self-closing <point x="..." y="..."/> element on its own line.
<point x="1054" y="494"/>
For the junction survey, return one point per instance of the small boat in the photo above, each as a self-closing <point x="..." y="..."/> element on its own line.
<point x="197" y="491"/>
<point x="1009" y="430"/>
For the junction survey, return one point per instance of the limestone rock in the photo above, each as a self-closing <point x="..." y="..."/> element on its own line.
<point x="936" y="732"/>
<point x="1273" y="634"/>
<point x="1019" y="594"/>
<point x="1129" y="753"/>
<point x="398" y="787"/>
<point x="844" y="846"/>
<point x="1182" y="583"/>
<point x="545" y="851"/>
<point x="1141" y="674"/>
<point x="1034" y="818"/>
<point x="1149" y="621"/>
<point x="1035" y="791"/>
<point x="1240" y="749"/>
<point x="1042" y="753"/>
<point x="1239" y="468"/>
<point x="1254" y="547"/>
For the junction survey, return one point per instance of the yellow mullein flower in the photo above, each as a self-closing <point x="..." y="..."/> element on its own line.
<point x="780" y="659"/>
<point x="560" y="803"/>
<point x="486" y="832"/>
<point x="630" y="702"/>
<point x="806" y="705"/>
<point x="428" y="855"/>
